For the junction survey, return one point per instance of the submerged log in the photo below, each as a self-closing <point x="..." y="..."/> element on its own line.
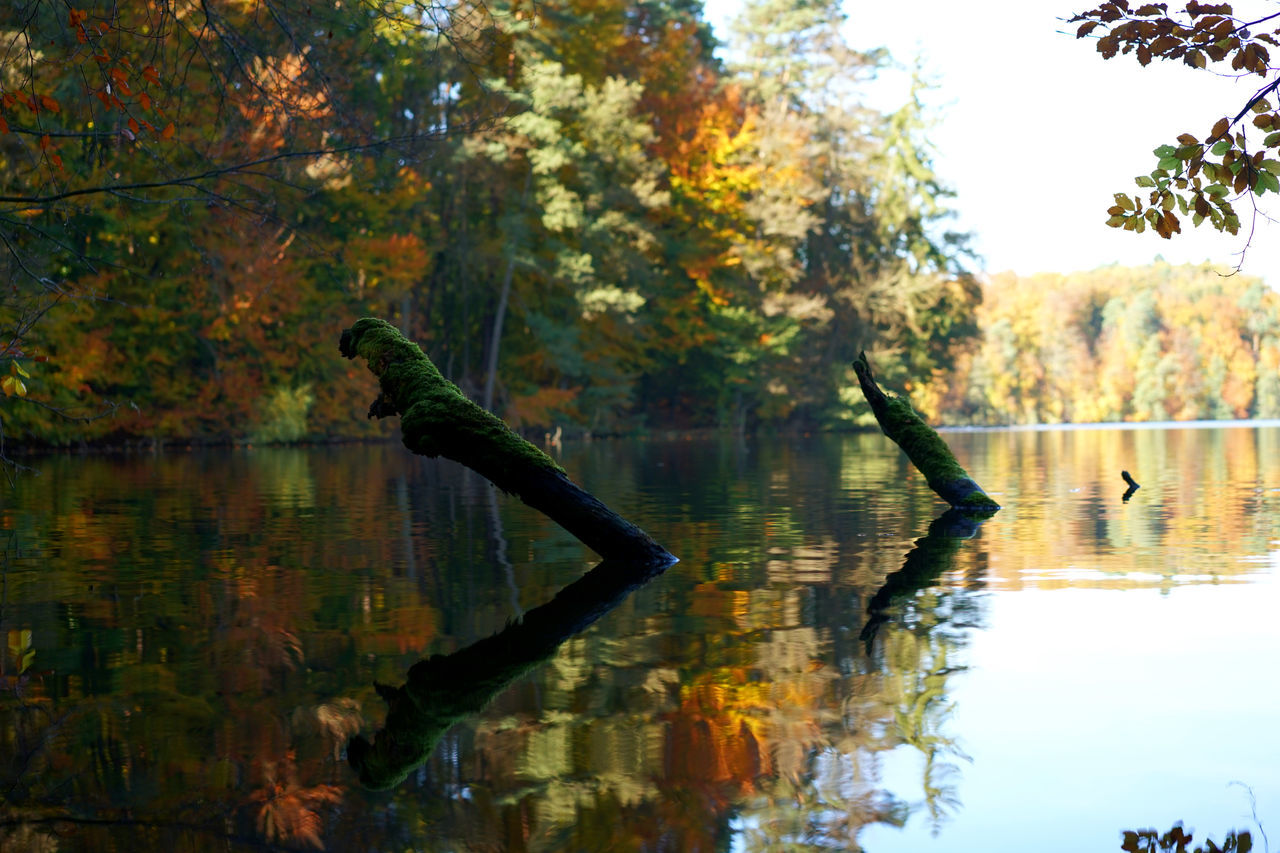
<point x="923" y="446"/>
<point x="444" y="688"/>
<point x="437" y="419"/>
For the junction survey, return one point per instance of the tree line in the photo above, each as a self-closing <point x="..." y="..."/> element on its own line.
<point x="1155" y="343"/>
<point x="583" y="215"/>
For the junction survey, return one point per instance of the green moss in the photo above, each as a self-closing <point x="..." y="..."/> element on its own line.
<point x="978" y="500"/>
<point x="922" y="444"/>
<point x="436" y="418"/>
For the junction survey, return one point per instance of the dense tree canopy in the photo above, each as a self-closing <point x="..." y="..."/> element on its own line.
<point x="582" y="214"/>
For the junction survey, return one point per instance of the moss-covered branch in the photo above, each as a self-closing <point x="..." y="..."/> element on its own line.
<point x="437" y="419"/>
<point x="443" y="688"/>
<point x="922" y="444"/>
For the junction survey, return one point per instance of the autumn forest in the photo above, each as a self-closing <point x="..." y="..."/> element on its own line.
<point x="588" y="216"/>
<point x="605" y="220"/>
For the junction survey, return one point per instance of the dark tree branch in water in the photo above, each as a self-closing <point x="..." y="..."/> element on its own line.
<point x="1133" y="486"/>
<point x="923" y="446"/>
<point x="437" y="419"/>
<point x="443" y="688"/>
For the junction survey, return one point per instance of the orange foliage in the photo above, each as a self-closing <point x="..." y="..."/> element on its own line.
<point x="541" y="408"/>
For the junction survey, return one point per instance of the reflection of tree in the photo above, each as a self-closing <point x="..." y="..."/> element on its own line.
<point x="916" y="657"/>
<point x="919" y="672"/>
<point x="443" y="688"/>
<point x="288" y="811"/>
<point x="732" y="700"/>
<point x="189" y="666"/>
<point x="926" y="562"/>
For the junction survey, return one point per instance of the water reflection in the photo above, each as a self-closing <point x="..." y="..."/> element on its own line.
<point x="443" y="688"/>
<point x="202" y="633"/>
<point x="1178" y="840"/>
<point x="923" y="566"/>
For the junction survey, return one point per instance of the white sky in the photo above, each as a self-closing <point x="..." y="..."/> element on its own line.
<point x="1036" y="130"/>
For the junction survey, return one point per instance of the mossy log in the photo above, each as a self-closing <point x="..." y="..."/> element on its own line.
<point x="444" y="688"/>
<point x="922" y="444"/>
<point x="437" y="419"/>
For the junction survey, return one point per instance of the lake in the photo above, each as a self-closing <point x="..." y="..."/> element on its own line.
<point x="195" y="638"/>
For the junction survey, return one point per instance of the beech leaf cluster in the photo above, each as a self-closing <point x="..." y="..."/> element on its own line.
<point x="1199" y="176"/>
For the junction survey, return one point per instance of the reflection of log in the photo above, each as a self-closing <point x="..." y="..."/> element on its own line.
<point x="437" y="419"/>
<point x="923" y="446"/>
<point x="442" y="689"/>
<point x="925" y="563"/>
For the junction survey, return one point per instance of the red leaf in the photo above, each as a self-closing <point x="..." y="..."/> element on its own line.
<point x="167" y="133"/>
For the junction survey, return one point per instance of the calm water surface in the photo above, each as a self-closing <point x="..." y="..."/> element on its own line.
<point x="194" y="639"/>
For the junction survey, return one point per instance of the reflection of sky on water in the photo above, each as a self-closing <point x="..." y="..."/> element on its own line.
<point x="1088" y="712"/>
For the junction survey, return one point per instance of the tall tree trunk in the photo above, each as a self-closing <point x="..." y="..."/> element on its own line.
<point x="406" y="307"/>
<point x="504" y="294"/>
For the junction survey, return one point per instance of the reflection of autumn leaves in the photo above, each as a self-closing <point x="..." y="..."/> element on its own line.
<point x="918" y="672"/>
<point x="29" y="839"/>
<point x="258" y="647"/>
<point x="287" y="811"/>
<point x="258" y="642"/>
<point x="334" y="722"/>
<point x="736" y="727"/>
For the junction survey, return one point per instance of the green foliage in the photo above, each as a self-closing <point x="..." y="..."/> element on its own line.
<point x="284" y="417"/>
